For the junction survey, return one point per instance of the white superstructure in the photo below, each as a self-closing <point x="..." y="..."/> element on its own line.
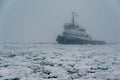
<point x="74" y="30"/>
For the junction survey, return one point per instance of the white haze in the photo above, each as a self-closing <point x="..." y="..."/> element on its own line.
<point x="43" y="20"/>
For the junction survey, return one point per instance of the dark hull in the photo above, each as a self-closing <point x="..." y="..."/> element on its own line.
<point x="72" y="40"/>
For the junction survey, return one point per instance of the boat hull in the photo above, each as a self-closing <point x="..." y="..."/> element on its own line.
<point x="72" y="40"/>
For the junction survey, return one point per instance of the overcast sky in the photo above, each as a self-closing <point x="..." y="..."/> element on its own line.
<point x="43" y="20"/>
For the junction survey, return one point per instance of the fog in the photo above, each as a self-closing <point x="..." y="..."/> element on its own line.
<point x="43" y="20"/>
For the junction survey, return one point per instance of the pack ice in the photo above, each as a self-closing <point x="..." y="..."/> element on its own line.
<point x="59" y="62"/>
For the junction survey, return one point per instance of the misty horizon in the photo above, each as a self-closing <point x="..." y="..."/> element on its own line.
<point x="42" y="21"/>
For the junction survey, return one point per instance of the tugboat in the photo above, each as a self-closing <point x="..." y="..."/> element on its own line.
<point x="75" y="34"/>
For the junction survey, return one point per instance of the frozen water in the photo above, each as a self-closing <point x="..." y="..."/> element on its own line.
<point x="59" y="62"/>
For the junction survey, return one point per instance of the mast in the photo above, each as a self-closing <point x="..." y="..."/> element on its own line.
<point x="73" y="18"/>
